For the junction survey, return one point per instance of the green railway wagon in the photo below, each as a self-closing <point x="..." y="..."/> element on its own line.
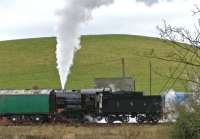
<point x="26" y="102"/>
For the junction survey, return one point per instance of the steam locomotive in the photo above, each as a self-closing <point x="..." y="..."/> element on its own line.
<point x="84" y="105"/>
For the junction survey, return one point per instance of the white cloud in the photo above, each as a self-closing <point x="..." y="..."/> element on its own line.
<point x="36" y="18"/>
<point x="27" y="18"/>
<point x="129" y="17"/>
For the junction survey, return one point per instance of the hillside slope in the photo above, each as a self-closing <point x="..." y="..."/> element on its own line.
<point x="31" y="62"/>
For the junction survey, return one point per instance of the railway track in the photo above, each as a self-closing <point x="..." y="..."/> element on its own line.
<point x="75" y="124"/>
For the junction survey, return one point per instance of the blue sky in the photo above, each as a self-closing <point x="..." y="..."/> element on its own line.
<point x="37" y="18"/>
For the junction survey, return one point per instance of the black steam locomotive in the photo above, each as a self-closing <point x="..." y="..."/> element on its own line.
<point x="83" y="105"/>
<point x="96" y="104"/>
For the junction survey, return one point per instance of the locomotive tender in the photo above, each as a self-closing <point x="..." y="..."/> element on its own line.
<point x="79" y="105"/>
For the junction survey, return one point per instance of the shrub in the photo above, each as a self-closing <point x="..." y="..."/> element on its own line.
<point x="187" y="125"/>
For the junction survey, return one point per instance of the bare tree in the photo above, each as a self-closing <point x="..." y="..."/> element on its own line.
<point x="186" y="45"/>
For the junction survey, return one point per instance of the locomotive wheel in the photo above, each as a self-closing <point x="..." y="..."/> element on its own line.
<point x="14" y="119"/>
<point x="155" y="119"/>
<point x="38" y="119"/>
<point x="125" y="119"/>
<point x="140" y="119"/>
<point x="152" y="118"/>
<point x="99" y="118"/>
<point x="109" y="119"/>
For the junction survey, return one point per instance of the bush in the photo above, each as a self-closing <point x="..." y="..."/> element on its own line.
<point x="187" y="125"/>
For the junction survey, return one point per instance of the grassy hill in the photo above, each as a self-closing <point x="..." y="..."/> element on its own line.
<point x="31" y="62"/>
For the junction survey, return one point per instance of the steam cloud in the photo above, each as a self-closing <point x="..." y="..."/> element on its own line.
<point x="151" y="2"/>
<point x="70" y="18"/>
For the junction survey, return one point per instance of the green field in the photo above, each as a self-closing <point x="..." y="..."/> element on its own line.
<point x="31" y="62"/>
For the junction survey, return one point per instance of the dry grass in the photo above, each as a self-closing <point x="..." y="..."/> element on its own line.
<point x="89" y="132"/>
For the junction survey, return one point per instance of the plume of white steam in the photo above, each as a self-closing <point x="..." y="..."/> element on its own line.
<point x="70" y="18"/>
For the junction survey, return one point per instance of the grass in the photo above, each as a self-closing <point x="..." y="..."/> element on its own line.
<point x="88" y="132"/>
<point x="31" y="62"/>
